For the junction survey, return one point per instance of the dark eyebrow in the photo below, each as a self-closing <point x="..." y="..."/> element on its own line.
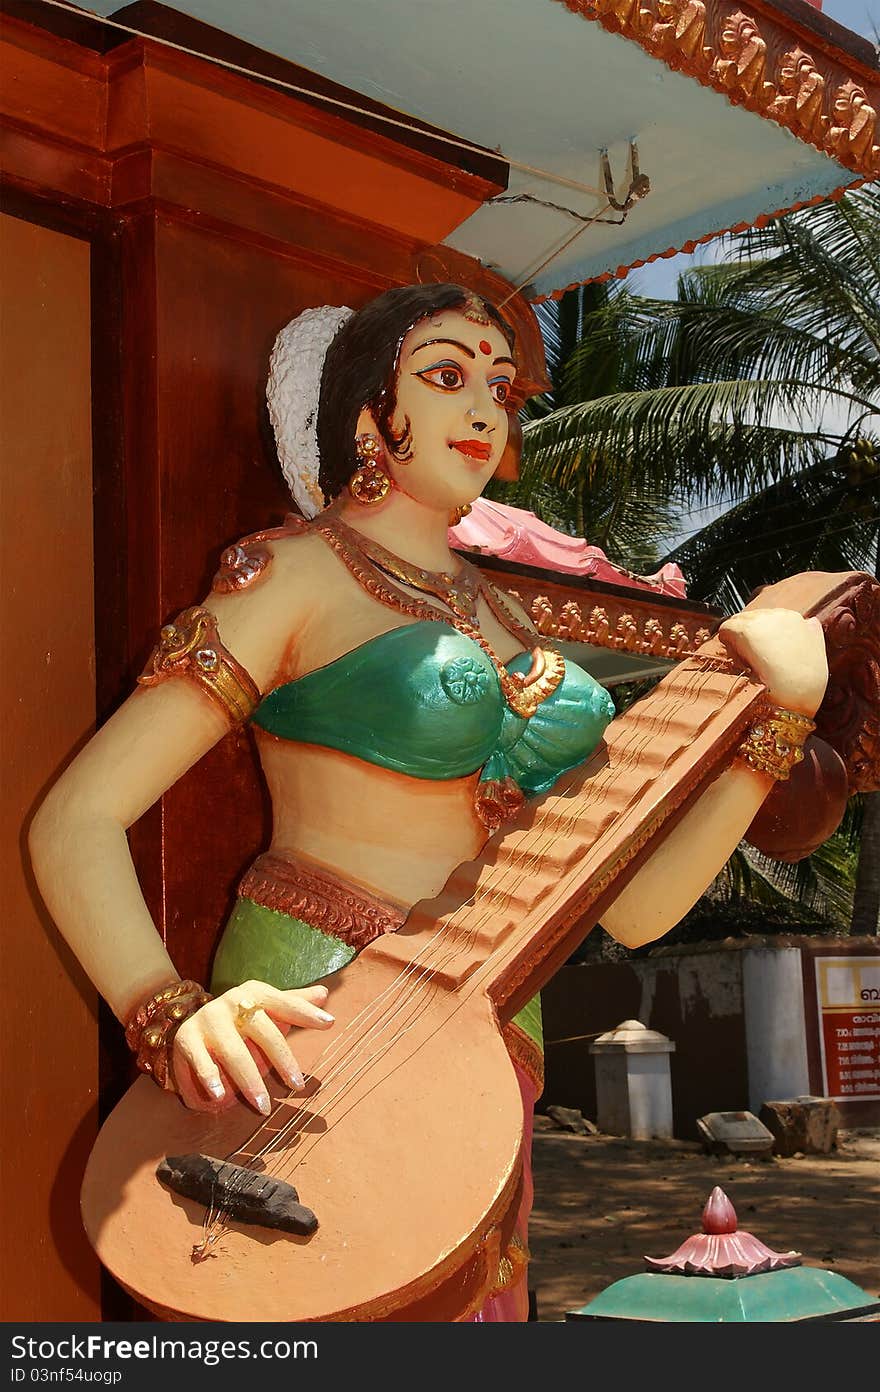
<point x="453" y="342"/>
<point x="496" y="361"/>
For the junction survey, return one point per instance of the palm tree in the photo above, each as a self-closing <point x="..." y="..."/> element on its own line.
<point x="595" y="490"/>
<point x="752" y="403"/>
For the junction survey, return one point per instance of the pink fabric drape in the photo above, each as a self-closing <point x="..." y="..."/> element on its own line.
<point x="512" y="1305"/>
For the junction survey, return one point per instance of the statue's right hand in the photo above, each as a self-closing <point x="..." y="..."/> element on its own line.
<point x="225" y="1048"/>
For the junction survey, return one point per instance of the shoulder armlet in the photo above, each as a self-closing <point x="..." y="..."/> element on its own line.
<point x="191" y="647"/>
<point x="248" y="561"/>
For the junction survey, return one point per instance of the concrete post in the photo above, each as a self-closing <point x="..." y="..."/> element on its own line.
<point x="633" y="1088"/>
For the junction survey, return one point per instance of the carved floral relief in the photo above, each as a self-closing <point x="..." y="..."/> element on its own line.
<point x="742" y="59"/>
<point x="754" y="61"/>
<point x="801" y="99"/>
<point x="616" y="624"/>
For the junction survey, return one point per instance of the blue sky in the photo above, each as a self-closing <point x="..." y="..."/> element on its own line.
<point x="862" y="16"/>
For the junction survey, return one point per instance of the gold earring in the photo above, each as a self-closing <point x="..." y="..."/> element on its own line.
<point x="458" y="513"/>
<point x="369" y="483"/>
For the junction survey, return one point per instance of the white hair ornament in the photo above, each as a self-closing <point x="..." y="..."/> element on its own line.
<point x="293" y="391"/>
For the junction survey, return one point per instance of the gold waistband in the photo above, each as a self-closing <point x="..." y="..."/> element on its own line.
<point x="320" y="899"/>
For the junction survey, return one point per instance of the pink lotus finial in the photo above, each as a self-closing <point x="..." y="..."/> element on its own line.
<point x="722" y="1249"/>
<point x="719" y="1215"/>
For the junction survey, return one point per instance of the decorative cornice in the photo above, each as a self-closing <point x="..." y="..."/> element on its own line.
<point x="617" y="624"/>
<point x="758" y="63"/>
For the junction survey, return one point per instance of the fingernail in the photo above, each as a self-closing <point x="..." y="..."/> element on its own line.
<point x="262" y="1103"/>
<point x="215" y="1087"/>
<point x="296" y="1080"/>
<point x="326" y="1017"/>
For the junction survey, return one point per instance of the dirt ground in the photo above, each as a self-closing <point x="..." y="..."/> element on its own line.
<point x="602" y="1202"/>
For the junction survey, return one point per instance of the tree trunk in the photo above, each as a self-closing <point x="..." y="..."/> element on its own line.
<point x="866" y="900"/>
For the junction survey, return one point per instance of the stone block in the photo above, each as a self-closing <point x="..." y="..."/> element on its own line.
<point x="738" y="1133"/>
<point x="571" y="1119"/>
<point x="805" y="1125"/>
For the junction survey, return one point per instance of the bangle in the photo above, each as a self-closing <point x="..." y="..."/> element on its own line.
<point x="151" y="1029"/>
<point x="775" y="743"/>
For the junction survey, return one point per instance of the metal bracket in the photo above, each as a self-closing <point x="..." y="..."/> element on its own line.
<point x="639" y="184"/>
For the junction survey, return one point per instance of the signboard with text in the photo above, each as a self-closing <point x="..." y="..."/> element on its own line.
<point x="848" y="998"/>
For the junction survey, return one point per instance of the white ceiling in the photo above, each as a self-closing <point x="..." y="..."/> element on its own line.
<point x="551" y="89"/>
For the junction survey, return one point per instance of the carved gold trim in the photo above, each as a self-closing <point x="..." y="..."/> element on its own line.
<point x="525" y="1053"/>
<point x="191" y="647"/>
<point x="775" y="742"/>
<point x="758" y="63"/>
<point x="320" y="899"/>
<point x="151" y="1028"/>
<point x="512" y="1265"/>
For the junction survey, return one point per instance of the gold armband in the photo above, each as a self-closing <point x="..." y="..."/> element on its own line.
<point x="775" y="743"/>
<point x="191" y="647"/>
<point x="150" y="1031"/>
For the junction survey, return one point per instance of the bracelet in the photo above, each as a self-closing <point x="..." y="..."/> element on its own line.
<point x="150" y="1031"/>
<point x="775" y="743"/>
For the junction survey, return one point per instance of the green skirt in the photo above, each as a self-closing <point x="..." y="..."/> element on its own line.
<point x="260" y="944"/>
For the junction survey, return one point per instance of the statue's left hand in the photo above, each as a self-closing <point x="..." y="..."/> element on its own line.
<point x="785" y="651"/>
<point x="228" y="1046"/>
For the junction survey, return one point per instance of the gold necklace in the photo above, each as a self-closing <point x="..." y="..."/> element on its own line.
<point x="523" y="692"/>
<point x="461" y="591"/>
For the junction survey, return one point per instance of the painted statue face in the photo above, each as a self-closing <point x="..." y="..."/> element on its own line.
<point x="454" y="378"/>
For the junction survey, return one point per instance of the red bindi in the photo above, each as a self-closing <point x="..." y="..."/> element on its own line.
<point x="485" y="347"/>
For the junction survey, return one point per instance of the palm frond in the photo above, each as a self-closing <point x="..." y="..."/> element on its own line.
<point x="687" y="438"/>
<point x="823" y="518"/>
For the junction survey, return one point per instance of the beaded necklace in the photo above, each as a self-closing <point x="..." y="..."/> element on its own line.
<point x="460" y="591"/>
<point x="523" y="692"/>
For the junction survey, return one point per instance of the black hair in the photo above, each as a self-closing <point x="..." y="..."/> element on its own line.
<point x="361" y="367"/>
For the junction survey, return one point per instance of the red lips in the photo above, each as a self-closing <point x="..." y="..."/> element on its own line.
<point x="473" y="449"/>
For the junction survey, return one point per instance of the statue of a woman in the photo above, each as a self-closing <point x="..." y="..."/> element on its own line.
<point x="402" y="709"/>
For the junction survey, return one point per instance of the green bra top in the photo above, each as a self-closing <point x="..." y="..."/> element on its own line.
<point x="425" y="700"/>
